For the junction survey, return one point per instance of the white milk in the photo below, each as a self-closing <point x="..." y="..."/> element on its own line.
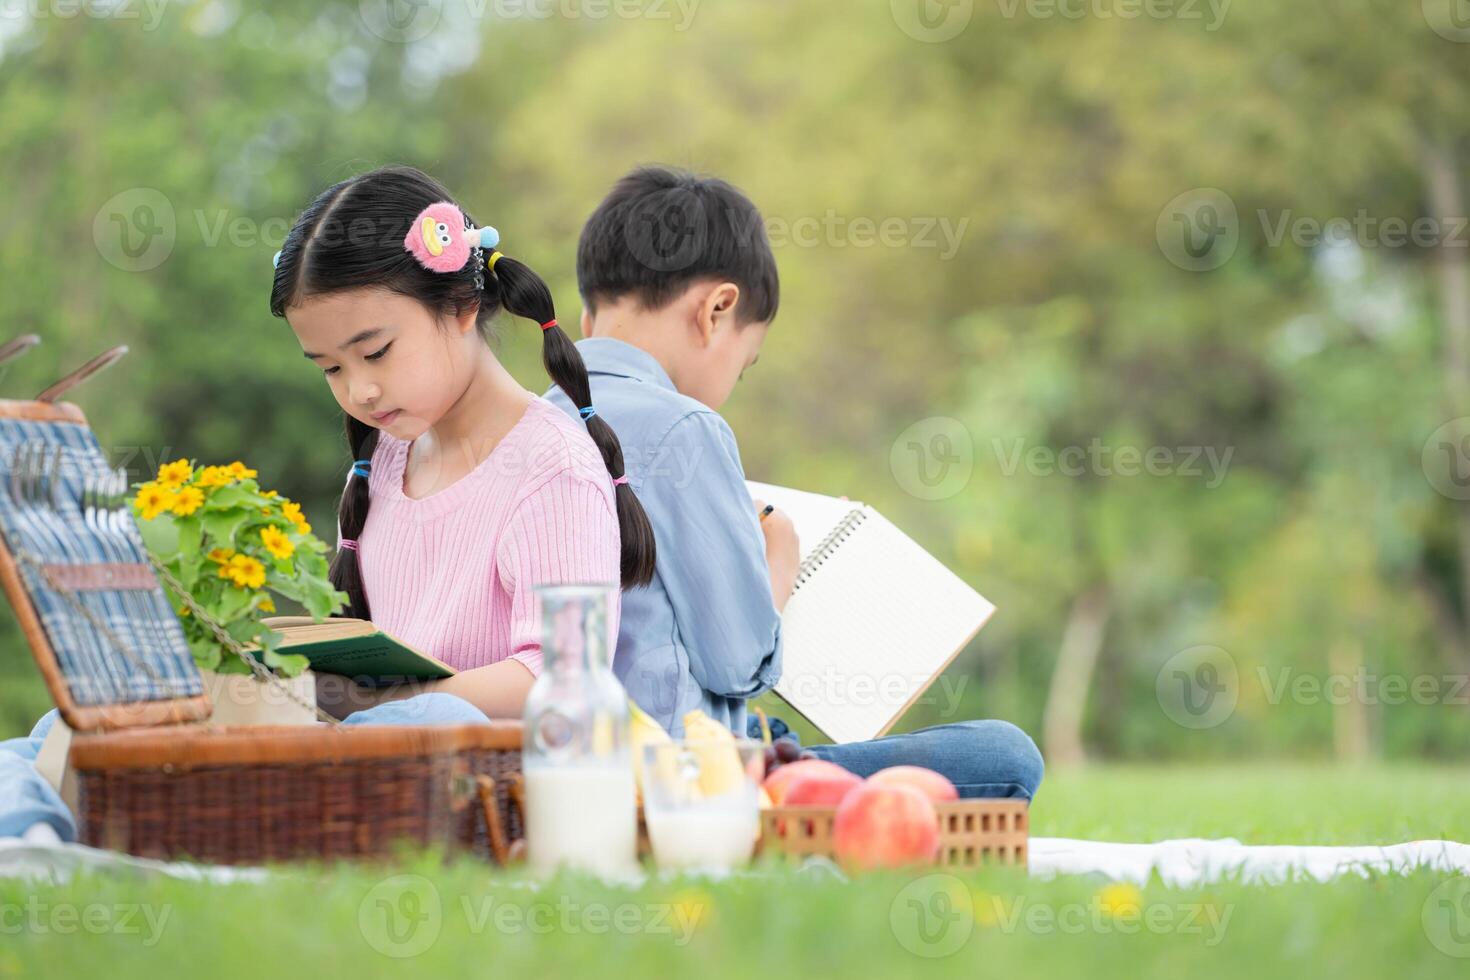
<point x="585" y="817"/>
<point x="716" y="837"/>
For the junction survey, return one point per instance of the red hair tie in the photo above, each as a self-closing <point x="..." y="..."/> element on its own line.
<point x="548" y="324"/>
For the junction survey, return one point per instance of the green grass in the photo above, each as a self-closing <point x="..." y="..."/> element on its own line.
<point x="474" y="921"/>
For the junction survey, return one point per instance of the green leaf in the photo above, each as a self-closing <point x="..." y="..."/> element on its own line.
<point x="286" y="664"/>
<point x="221" y="526"/>
<point x="233" y="602"/>
<point x="190" y="533"/>
<point x="225" y="498"/>
<point x="161" y="536"/>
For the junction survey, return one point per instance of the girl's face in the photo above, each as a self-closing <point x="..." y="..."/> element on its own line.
<point x="389" y="360"/>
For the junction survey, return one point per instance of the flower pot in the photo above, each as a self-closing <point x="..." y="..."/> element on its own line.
<point x="240" y="699"/>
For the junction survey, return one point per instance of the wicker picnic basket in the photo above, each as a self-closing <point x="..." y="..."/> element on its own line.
<point x="154" y="777"/>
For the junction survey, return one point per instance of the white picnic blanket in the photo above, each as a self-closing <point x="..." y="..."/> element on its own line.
<point x="1196" y="861"/>
<point x="1182" y="863"/>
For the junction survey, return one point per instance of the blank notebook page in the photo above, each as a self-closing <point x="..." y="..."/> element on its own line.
<point x="870" y="627"/>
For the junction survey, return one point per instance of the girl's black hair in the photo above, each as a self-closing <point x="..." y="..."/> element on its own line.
<point x="351" y="236"/>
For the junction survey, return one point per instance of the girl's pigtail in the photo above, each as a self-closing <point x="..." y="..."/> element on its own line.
<point x="345" y="572"/>
<point x="524" y="294"/>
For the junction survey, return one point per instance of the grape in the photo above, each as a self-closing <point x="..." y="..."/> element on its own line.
<point x="787" y="750"/>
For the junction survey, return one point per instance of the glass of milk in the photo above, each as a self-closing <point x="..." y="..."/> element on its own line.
<point x="701" y="802"/>
<point x="581" y="807"/>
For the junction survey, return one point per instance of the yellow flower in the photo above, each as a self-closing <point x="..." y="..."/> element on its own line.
<point x="239" y="470"/>
<point x="269" y="493"/>
<point x="176" y="473"/>
<point x="187" y="500"/>
<point x="266" y="511"/>
<point x="1121" y="899"/>
<point x="244" y="571"/>
<point x="276" y="542"/>
<point x="152" y="500"/>
<point x="214" y="476"/>
<point x="184" y="612"/>
<point x="267" y="605"/>
<point x="293" y="514"/>
<point x="221" y="554"/>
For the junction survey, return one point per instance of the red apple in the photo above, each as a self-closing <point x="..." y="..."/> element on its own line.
<point x="926" y="781"/>
<point x="821" y="789"/>
<point x="885" y="826"/>
<point x="779" y="782"/>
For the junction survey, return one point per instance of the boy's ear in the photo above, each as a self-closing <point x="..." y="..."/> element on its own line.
<point x="586" y="323"/>
<point x="716" y="311"/>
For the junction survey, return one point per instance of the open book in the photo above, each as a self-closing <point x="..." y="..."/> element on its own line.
<point x="355" y="648"/>
<point x="874" y="618"/>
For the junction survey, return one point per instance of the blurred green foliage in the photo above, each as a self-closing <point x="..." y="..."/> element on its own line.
<point x="1030" y="289"/>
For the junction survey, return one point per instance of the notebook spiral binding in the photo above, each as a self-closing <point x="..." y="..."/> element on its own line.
<point x="829" y="544"/>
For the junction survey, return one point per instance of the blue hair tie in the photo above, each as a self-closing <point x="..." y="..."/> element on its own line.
<point x="587" y="412"/>
<point x="276" y="259"/>
<point x="361" y="467"/>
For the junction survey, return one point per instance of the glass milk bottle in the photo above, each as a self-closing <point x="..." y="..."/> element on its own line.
<point x="581" y="810"/>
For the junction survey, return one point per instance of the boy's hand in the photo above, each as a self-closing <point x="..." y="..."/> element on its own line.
<point x="783" y="552"/>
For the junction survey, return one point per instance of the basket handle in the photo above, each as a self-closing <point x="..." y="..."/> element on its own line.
<point x="82" y="373"/>
<point x="485" y="787"/>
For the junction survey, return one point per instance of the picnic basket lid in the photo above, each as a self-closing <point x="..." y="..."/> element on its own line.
<point x="103" y="632"/>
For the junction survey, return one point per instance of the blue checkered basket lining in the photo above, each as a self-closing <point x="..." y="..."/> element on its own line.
<point x="95" y="671"/>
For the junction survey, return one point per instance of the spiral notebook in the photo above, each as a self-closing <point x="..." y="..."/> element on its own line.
<point x="874" y="618"/>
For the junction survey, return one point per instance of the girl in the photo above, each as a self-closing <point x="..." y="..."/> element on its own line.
<point x="467" y="490"/>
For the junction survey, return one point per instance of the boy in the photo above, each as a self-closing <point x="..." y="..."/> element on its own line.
<point x="679" y="288"/>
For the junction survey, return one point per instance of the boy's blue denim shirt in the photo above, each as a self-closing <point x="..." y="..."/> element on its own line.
<point x="705" y="632"/>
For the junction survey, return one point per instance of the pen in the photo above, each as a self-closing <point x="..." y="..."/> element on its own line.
<point x="767" y="512"/>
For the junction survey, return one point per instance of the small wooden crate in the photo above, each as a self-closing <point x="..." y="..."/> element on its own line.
<point x="971" y="832"/>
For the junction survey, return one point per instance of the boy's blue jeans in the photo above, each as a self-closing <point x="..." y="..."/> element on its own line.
<point x="982" y="758"/>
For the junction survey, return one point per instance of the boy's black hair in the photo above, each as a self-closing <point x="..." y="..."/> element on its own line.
<point x="659" y="230"/>
<point x="351" y="236"/>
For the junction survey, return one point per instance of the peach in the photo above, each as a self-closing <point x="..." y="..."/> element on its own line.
<point x="885" y="826"/>
<point x="821" y="789"/>
<point x="780" y="780"/>
<point x="926" y="781"/>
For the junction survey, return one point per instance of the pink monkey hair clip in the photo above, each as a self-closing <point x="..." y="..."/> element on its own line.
<point x="440" y="241"/>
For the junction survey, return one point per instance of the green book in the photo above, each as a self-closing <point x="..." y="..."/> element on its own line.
<point x="354" y="648"/>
